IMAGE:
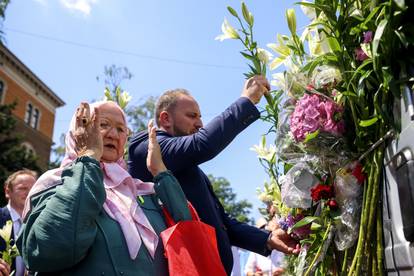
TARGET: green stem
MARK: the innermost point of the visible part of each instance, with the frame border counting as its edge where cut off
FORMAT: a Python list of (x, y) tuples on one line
[(325, 236), (361, 235), (379, 244), (345, 262), (269, 99), (372, 208)]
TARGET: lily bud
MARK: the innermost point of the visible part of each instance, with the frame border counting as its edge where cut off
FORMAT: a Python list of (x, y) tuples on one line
[(291, 20)]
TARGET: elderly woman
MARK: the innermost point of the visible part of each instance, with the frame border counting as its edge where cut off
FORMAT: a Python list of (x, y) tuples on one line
[(90, 217)]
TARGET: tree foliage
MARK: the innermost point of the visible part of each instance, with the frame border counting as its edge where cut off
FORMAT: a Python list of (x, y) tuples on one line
[(14, 156), (139, 115), (239, 210), (114, 75), (3, 6), (58, 152)]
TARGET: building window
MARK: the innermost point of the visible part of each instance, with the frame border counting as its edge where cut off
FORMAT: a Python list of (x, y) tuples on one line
[(1, 91), (29, 112), (35, 119), (32, 117)]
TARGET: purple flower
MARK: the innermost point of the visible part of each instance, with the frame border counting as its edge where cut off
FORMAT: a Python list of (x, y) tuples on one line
[(298, 233), (283, 224), (368, 37), (360, 54)]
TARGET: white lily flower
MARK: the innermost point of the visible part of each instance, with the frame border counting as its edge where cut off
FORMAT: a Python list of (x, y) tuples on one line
[(318, 44), (278, 81), (276, 62), (228, 32), (264, 55), (264, 197), (5, 232), (125, 98), (281, 49), (263, 152), (308, 11)]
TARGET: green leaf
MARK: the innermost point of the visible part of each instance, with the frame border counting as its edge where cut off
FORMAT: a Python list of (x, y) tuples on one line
[(349, 94), (359, 70), (367, 123), (400, 4), (402, 38), (303, 222), (311, 136), (257, 65), (377, 37), (254, 71), (232, 11), (249, 57), (334, 44)]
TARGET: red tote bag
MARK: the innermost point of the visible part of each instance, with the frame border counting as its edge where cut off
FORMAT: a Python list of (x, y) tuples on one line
[(191, 247)]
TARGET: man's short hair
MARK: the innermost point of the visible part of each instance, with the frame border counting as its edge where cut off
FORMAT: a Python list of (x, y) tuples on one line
[(167, 102), (10, 180)]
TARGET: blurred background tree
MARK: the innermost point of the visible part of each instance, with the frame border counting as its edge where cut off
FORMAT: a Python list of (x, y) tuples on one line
[(238, 209), (14, 156)]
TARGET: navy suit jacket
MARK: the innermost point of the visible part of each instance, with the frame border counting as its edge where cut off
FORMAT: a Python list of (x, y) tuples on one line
[(4, 217), (182, 155)]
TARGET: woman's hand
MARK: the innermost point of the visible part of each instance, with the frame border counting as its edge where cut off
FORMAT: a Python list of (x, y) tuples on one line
[(154, 159), (87, 136)]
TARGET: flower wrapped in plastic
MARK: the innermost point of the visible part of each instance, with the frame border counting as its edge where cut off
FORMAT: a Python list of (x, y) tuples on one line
[(325, 78), (317, 124), (296, 186), (348, 191), (287, 149)]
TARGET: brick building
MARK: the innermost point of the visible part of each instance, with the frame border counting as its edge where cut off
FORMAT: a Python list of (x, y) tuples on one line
[(36, 104)]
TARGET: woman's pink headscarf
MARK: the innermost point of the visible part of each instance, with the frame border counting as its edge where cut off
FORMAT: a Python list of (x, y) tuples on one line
[(121, 193)]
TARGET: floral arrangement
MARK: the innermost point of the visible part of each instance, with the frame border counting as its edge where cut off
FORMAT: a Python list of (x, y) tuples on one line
[(331, 112), (11, 251)]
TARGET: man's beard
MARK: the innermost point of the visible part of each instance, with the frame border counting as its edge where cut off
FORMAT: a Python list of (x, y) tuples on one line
[(178, 132)]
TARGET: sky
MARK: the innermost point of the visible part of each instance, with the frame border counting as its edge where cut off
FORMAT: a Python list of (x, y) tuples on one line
[(164, 44)]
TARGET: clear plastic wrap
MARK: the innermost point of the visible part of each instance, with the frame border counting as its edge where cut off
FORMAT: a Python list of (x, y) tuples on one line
[(349, 198), (296, 185)]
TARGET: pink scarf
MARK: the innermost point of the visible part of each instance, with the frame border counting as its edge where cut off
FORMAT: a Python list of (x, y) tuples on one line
[(121, 195)]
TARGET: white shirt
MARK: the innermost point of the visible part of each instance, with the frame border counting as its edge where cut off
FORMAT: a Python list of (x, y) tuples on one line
[(236, 271), (266, 265), (17, 223)]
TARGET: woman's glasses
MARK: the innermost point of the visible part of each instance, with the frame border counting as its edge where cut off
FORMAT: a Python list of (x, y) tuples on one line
[(107, 126)]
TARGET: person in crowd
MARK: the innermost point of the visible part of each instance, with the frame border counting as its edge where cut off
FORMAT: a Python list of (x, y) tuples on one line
[(16, 189), (90, 217), (258, 265), (185, 144)]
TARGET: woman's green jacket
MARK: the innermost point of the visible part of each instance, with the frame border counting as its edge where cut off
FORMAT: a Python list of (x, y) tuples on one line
[(67, 231)]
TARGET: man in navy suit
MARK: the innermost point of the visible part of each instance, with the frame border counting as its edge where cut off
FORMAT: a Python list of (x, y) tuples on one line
[(185, 144), (16, 189)]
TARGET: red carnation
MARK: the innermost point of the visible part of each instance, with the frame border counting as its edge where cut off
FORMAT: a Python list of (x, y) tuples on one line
[(310, 87), (321, 191), (333, 205), (358, 174)]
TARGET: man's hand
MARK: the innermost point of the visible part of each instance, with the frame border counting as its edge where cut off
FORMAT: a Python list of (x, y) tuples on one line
[(154, 159), (278, 271), (254, 88), (4, 268), (282, 242)]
